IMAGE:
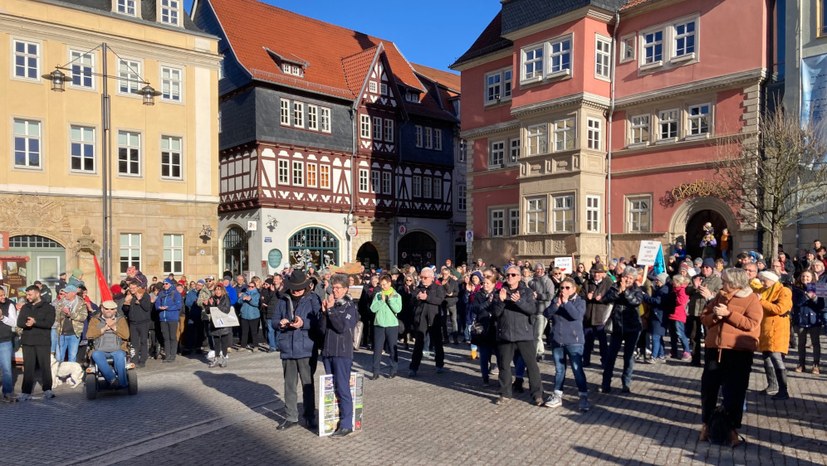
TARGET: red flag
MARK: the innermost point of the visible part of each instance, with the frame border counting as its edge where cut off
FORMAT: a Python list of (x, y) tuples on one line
[(105, 292)]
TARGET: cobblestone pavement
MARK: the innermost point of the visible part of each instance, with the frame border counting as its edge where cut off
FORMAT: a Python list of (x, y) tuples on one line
[(188, 414)]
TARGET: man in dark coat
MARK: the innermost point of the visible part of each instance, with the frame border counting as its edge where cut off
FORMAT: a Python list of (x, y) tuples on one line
[(626, 297), (36, 318), (427, 298), (338, 320), (597, 313), (515, 312)]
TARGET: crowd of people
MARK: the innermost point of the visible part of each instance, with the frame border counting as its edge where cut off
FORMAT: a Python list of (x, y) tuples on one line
[(713, 316)]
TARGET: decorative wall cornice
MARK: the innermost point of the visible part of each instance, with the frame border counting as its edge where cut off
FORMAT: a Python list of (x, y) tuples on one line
[(705, 85), (584, 99)]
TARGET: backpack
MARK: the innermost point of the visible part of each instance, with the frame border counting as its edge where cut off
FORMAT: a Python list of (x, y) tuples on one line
[(719, 426)]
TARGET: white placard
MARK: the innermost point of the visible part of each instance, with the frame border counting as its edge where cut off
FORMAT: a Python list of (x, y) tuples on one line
[(565, 264), (223, 319), (821, 290), (648, 252)]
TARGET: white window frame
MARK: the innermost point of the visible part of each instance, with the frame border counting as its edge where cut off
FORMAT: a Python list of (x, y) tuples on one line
[(429, 137), (677, 37), (83, 68), (699, 120), (389, 135), (383, 89), (554, 68), (324, 176), (496, 154), (173, 254), (416, 186), (536, 214), (427, 187), (565, 134), (375, 181), (129, 148), (324, 120), (31, 67), (387, 182), (364, 126), (534, 56), (373, 87), (132, 248), (312, 177), (593, 214), (170, 12), (84, 140), (652, 60), (673, 120), (514, 148), (513, 221), (437, 139), (536, 140), (627, 48), (171, 85), (462, 197), (437, 191), (419, 136), (498, 86), (127, 7), (168, 146), (298, 173), (129, 76), (29, 137), (364, 180), (285, 117), (640, 129), (377, 128), (284, 172), (636, 214), (602, 57), (312, 117), (298, 114), (496, 223), (562, 208), (594, 134)]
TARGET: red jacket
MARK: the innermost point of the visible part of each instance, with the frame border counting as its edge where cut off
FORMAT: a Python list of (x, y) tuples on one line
[(681, 300)]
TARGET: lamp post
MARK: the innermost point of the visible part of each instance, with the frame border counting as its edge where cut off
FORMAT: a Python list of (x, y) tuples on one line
[(148, 93)]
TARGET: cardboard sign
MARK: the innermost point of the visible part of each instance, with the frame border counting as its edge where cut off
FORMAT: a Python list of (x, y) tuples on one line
[(565, 264), (329, 406), (821, 290), (223, 319), (648, 252)]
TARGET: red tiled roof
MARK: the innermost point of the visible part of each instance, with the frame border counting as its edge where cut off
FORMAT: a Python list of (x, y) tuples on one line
[(334, 55), (446, 79)]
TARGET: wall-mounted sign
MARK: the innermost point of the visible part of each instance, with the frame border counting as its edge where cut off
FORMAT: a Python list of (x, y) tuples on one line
[(274, 258), (403, 229), (252, 225), (352, 231)]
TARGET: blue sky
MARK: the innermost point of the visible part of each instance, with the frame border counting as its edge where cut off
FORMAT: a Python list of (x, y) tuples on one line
[(430, 32)]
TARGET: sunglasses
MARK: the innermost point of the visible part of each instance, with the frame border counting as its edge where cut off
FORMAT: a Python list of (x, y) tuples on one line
[(566, 287), (513, 274)]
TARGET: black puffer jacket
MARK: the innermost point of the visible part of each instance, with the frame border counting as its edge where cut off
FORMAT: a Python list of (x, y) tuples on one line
[(39, 334), (625, 315), (482, 311), (515, 319)]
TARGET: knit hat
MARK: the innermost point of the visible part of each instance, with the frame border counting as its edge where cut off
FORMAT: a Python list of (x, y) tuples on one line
[(769, 276), (70, 289), (202, 282), (170, 281), (709, 262), (116, 289), (661, 277)]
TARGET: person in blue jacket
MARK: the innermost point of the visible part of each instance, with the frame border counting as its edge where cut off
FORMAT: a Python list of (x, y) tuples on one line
[(566, 313), (250, 316), (297, 317), (338, 319), (169, 305)]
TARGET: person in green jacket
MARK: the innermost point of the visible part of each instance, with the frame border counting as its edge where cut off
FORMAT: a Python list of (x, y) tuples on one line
[(386, 304)]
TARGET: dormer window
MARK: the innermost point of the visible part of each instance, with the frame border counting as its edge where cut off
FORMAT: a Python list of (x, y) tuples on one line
[(295, 70), (170, 12), (127, 7), (412, 96)]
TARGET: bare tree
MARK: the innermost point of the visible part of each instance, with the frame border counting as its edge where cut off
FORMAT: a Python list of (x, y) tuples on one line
[(774, 177)]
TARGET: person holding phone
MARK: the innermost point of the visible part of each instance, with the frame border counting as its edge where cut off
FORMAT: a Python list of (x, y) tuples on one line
[(337, 321), (566, 313)]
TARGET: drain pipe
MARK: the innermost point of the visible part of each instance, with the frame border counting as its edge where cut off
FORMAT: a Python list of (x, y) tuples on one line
[(609, 139), (353, 179)]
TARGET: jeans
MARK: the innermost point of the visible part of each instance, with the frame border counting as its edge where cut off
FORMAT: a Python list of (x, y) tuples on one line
[(67, 343), (339, 368), (731, 376), (575, 354), (169, 330), (506, 350), (814, 333), (776, 372), (540, 323), (592, 332), (485, 360), (384, 337), (694, 328), (293, 370), (519, 365), (54, 340), (272, 341), (677, 332), (657, 347), (118, 359), (6, 353), (628, 340)]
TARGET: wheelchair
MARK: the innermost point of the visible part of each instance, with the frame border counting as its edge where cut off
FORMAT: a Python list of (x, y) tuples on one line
[(96, 383)]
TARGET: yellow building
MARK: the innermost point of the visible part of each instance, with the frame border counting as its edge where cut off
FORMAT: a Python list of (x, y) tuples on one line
[(162, 157)]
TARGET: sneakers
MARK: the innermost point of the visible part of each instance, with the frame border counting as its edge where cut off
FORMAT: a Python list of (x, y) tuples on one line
[(47, 395), (780, 396), (584, 403), (554, 400), (815, 370), (440, 370), (223, 362), (24, 397), (9, 398), (799, 368), (687, 356), (411, 373), (501, 401)]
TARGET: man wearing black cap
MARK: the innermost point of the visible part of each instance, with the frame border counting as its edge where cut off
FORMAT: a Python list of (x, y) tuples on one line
[(36, 319), (701, 290)]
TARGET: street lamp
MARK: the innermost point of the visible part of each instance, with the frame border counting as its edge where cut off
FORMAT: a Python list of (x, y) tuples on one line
[(148, 94)]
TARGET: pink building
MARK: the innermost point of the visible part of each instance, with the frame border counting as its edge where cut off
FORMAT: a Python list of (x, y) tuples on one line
[(594, 125)]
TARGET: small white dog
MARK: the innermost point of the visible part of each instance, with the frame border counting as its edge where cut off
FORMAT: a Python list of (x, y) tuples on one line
[(70, 373)]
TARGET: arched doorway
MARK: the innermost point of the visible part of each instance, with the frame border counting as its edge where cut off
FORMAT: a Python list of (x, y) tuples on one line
[(417, 249), (368, 256), (695, 231), (30, 258), (315, 246), (236, 259)]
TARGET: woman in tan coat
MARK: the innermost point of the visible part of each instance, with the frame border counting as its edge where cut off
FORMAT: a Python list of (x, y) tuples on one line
[(777, 302), (733, 322)]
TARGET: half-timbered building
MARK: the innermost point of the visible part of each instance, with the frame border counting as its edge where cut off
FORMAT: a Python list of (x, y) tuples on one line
[(334, 148)]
